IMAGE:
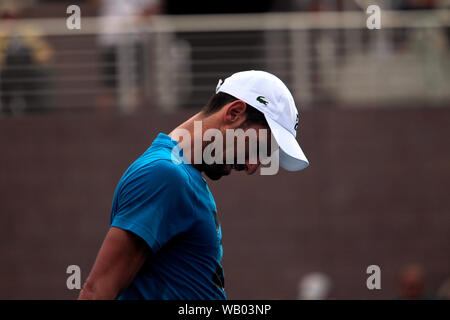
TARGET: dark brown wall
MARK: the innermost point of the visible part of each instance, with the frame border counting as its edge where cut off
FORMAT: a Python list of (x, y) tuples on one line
[(376, 193)]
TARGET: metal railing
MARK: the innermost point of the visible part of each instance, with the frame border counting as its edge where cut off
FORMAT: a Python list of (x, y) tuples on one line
[(176, 61)]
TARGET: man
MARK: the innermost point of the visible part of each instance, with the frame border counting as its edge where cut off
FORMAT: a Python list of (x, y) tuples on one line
[(165, 238)]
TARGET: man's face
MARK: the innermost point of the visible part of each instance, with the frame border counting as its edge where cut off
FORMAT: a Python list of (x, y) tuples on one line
[(241, 148)]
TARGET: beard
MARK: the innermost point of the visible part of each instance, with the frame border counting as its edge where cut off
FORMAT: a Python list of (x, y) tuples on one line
[(216, 171)]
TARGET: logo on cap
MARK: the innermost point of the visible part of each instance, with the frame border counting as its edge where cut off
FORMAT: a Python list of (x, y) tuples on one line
[(219, 84), (296, 123), (262, 100)]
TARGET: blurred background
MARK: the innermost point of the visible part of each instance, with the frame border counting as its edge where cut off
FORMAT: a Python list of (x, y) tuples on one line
[(78, 106)]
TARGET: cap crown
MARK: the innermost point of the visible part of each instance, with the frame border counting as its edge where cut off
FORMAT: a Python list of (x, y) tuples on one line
[(266, 93)]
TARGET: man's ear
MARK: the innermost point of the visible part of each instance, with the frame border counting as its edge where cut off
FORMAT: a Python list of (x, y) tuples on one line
[(234, 112)]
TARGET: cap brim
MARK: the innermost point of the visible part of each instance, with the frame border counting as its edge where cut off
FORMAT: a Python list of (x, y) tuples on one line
[(292, 157)]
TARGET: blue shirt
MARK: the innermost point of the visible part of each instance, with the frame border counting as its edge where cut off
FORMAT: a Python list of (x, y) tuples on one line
[(168, 204)]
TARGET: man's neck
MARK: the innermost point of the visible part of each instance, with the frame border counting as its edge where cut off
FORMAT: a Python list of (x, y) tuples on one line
[(188, 126)]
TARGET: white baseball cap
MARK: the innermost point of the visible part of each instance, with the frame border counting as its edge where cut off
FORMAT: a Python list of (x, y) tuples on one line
[(268, 94)]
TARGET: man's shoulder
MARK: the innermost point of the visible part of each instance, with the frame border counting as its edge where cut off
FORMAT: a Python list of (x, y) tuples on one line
[(159, 169)]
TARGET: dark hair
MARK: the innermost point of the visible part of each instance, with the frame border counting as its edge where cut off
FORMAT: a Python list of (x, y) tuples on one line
[(218, 100)]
